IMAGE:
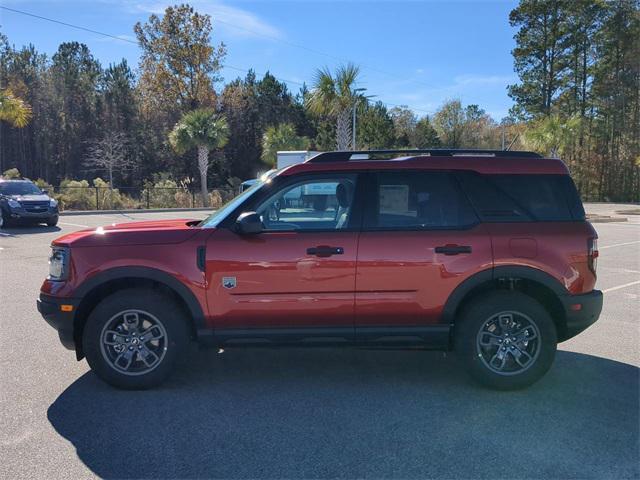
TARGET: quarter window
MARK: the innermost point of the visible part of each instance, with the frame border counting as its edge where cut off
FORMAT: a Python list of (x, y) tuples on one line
[(419, 200)]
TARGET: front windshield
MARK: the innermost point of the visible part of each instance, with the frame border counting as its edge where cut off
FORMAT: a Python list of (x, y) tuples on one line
[(19, 188), (216, 217)]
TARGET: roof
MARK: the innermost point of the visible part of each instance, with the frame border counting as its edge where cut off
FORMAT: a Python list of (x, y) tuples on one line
[(481, 161)]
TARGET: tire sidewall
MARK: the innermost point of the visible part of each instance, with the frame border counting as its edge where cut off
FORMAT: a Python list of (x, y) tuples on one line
[(472, 320), (166, 311)]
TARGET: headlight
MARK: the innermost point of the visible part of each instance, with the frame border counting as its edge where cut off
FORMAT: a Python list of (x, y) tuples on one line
[(14, 203), (59, 263), (53, 203)]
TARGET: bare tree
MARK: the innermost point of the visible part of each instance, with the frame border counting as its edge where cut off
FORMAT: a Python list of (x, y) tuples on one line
[(110, 154)]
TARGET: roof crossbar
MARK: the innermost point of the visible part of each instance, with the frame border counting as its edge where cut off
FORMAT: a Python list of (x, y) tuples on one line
[(345, 156)]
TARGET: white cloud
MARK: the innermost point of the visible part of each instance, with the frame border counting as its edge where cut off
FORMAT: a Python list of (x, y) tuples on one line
[(233, 21), (489, 91)]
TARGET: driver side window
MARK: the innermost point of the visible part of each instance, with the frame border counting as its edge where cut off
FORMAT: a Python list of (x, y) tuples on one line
[(312, 204)]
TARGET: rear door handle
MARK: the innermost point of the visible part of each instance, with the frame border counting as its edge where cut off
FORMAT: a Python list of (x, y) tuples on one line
[(453, 249), (324, 251)]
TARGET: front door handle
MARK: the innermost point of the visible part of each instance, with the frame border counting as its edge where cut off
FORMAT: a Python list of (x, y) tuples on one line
[(453, 249), (324, 251)]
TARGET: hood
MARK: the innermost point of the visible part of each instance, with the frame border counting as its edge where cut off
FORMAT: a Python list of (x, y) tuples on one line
[(132, 233), (29, 198)]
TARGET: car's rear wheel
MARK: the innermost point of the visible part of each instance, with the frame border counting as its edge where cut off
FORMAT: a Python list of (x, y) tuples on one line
[(133, 338), (506, 340)]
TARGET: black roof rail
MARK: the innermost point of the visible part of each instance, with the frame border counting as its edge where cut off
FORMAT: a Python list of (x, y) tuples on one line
[(345, 156)]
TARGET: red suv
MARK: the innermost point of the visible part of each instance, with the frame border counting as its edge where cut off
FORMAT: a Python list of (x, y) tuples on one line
[(484, 252)]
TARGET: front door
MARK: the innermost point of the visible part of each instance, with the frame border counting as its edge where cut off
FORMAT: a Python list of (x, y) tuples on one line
[(419, 241), (299, 273)]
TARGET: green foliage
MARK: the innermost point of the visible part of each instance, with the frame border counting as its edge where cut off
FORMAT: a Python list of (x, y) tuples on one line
[(179, 64), (425, 135), (11, 173), (375, 128), (577, 96), (335, 96), (281, 137), (201, 127), (76, 195), (579, 84), (404, 124), (449, 122), (13, 109)]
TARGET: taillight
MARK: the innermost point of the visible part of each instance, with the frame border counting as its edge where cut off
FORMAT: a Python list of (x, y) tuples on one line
[(592, 254)]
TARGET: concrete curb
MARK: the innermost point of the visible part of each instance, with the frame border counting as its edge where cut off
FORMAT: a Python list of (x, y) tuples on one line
[(603, 219), (71, 213)]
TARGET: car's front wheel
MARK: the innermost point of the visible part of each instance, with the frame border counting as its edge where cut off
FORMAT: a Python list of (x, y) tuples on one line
[(506, 340), (4, 219), (133, 338)]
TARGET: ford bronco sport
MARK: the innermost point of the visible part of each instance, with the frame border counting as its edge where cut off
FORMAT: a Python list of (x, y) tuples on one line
[(484, 252)]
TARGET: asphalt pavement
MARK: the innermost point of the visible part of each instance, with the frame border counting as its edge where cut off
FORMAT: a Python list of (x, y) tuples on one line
[(317, 413)]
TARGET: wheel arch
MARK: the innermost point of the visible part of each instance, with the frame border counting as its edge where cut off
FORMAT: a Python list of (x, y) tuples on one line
[(531, 281), (120, 278)]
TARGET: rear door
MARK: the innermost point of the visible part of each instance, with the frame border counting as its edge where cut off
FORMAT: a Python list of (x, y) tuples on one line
[(420, 240)]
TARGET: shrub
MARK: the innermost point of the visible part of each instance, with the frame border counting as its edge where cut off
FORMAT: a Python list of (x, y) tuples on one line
[(76, 195), (11, 173)]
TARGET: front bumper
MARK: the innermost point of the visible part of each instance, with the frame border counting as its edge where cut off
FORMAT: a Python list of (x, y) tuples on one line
[(581, 311), (50, 309), (33, 216)]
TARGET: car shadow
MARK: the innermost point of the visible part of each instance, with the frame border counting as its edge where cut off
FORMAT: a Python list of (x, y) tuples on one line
[(17, 230), (355, 413)]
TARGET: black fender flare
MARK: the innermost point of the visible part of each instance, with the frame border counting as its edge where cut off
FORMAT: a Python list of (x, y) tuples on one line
[(484, 276), (147, 273)]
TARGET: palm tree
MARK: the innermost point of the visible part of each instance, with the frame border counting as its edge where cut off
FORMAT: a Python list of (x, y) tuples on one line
[(281, 137), (13, 109), (205, 130), (336, 96)]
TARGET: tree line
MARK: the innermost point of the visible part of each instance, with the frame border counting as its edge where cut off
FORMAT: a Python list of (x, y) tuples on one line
[(69, 117)]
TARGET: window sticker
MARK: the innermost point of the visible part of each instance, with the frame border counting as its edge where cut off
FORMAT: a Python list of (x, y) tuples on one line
[(394, 198)]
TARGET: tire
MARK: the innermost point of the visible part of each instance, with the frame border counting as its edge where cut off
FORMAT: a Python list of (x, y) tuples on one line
[(485, 334), (116, 327), (4, 220), (52, 222)]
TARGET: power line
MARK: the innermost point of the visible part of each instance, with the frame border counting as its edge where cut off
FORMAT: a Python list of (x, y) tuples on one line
[(317, 52), (232, 67)]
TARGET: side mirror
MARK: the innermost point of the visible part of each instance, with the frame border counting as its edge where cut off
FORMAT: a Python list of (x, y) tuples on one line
[(249, 223)]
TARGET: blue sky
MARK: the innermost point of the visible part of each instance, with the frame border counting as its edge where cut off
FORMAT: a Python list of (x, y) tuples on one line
[(415, 53)]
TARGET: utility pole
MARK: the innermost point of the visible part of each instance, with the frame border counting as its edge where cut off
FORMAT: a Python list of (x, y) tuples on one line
[(353, 127)]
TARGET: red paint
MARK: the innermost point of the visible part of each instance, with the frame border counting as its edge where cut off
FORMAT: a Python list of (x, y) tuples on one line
[(381, 278), (278, 283), (402, 281)]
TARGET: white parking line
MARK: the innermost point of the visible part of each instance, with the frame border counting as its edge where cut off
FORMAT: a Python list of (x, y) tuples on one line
[(74, 224), (612, 289), (618, 245)]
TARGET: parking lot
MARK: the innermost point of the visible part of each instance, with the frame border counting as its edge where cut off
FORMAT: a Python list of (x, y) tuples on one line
[(317, 413)]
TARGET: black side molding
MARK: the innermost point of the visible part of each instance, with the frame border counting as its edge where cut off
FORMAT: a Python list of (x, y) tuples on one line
[(201, 258)]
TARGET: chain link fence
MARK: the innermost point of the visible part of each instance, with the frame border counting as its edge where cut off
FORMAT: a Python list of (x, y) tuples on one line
[(129, 198)]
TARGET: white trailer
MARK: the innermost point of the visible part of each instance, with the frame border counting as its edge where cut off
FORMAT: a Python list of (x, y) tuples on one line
[(286, 158)]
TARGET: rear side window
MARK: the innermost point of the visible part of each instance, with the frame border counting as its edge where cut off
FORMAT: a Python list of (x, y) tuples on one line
[(520, 198), (418, 200)]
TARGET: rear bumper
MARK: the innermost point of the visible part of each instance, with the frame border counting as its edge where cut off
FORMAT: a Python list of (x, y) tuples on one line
[(49, 308), (581, 311)]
